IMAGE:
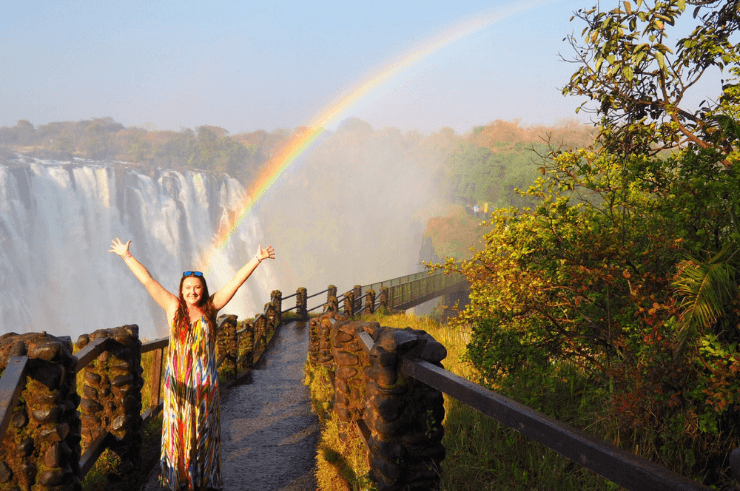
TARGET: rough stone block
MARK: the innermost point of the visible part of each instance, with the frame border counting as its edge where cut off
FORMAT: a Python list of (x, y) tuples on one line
[(345, 358)]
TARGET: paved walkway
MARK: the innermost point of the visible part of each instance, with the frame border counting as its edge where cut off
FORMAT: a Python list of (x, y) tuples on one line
[(268, 433)]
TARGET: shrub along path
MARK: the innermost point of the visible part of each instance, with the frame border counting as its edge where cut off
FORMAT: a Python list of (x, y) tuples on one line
[(268, 433)]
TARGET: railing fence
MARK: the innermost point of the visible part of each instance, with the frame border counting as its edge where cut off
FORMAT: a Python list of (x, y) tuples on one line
[(110, 404)]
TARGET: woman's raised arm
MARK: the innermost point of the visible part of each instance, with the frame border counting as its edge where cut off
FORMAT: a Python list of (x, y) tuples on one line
[(164, 299), (225, 294)]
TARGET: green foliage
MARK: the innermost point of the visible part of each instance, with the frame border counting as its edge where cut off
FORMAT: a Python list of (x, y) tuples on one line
[(621, 262), (706, 288), (638, 83), (595, 275), (476, 175)]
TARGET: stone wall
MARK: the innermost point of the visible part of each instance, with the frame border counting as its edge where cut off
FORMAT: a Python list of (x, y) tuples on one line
[(41, 448), (320, 339), (111, 394), (350, 361), (400, 417)]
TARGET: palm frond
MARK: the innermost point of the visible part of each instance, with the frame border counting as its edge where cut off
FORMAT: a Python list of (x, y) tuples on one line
[(706, 288)]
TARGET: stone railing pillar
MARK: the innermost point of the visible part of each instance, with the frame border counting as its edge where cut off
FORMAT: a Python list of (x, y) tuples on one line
[(370, 302), (404, 416), (332, 304), (357, 290), (226, 342), (111, 395), (260, 332), (383, 301), (300, 302), (276, 298), (272, 317), (314, 341), (351, 362), (41, 447), (322, 327), (246, 346), (349, 303)]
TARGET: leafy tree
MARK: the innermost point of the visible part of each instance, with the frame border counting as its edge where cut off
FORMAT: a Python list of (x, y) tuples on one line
[(137, 147), (639, 83), (625, 264)]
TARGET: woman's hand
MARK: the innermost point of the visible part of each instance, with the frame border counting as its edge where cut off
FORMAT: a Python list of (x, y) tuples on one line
[(268, 253), (119, 247)]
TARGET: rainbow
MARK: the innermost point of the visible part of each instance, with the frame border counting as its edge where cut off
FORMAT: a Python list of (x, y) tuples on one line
[(301, 142)]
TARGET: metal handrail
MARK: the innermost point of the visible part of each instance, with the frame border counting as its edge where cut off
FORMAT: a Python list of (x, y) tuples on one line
[(614, 463), (360, 298), (314, 308), (316, 294)]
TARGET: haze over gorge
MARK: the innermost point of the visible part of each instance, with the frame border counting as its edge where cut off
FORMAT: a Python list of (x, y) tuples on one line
[(352, 210)]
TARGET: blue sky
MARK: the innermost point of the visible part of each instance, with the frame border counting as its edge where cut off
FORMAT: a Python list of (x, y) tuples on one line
[(265, 65)]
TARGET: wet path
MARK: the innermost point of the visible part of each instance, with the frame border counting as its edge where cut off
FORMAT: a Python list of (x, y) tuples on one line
[(268, 433)]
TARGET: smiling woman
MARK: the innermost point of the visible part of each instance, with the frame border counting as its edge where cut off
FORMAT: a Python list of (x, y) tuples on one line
[(191, 440)]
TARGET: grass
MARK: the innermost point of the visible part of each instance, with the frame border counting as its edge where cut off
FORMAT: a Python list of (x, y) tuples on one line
[(483, 454), (341, 460)]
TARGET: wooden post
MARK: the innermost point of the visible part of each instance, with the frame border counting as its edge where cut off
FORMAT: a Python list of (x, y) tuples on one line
[(156, 377)]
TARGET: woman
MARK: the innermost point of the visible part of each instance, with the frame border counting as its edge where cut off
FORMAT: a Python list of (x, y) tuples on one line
[(191, 443)]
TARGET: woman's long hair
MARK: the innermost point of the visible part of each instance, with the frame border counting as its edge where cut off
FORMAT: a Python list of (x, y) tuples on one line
[(182, 316)]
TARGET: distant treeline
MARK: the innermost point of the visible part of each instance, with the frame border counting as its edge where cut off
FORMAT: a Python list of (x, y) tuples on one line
[(482, 166), (495, 160), (209, 148)]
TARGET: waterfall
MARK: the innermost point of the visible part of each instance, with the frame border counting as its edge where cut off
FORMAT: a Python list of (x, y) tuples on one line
[(57, 220)]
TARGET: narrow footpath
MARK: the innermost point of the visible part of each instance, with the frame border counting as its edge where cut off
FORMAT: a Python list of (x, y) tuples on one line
[(268, 433)]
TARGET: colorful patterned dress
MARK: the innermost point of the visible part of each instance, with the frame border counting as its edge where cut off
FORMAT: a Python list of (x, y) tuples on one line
[(191, 440)]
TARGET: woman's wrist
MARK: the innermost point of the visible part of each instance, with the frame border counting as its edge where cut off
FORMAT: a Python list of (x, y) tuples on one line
[(257, 258), (127, 255)]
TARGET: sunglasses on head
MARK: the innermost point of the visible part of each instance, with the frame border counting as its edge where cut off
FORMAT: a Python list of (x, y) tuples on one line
[(193, 273)]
